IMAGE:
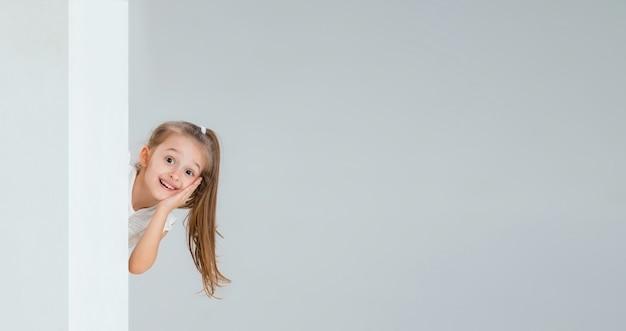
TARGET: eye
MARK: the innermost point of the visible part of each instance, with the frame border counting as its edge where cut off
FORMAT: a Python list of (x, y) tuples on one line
[(189, 172), (169, 160)]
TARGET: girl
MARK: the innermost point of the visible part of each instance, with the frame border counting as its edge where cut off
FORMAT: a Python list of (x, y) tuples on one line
[(179, 168)]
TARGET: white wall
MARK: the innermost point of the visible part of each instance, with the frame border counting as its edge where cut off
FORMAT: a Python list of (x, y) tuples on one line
[(394, 165), (63, 98)]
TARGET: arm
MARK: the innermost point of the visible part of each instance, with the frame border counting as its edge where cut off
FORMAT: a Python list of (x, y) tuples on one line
[(145, 252)]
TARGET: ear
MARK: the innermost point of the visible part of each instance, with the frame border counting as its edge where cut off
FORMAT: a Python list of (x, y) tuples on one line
[(144, 156)]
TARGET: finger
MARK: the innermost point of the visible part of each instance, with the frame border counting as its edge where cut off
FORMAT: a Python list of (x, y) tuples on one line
[(189, 190), (193, 185)]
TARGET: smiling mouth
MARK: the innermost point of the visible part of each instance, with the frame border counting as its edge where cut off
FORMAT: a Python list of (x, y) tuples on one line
[(166, 185)]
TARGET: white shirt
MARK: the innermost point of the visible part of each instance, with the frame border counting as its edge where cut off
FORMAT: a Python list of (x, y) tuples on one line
[(138, 220)]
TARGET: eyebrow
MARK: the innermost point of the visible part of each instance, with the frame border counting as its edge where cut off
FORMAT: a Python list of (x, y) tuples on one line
[(177, 151)]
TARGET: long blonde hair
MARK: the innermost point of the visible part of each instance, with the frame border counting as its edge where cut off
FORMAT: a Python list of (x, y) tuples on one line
[(201, 223)]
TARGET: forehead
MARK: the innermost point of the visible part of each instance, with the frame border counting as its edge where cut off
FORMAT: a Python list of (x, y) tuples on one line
[(184, 148)]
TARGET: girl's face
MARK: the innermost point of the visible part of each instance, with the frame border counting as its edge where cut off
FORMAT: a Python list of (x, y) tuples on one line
[(172, 165)]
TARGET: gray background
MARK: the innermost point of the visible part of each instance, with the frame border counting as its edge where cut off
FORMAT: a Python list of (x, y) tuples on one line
[(394, 165), (34, 165)]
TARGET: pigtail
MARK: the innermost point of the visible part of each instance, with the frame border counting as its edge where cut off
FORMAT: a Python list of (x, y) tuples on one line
[(202, 226)]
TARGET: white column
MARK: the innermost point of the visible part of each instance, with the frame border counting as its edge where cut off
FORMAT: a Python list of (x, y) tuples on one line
[(98, 161)]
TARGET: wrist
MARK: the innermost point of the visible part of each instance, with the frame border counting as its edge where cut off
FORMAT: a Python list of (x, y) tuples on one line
[(164, 208)]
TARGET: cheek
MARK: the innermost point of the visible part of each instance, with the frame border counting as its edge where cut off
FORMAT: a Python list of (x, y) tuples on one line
[(188, 181), (149, 172)]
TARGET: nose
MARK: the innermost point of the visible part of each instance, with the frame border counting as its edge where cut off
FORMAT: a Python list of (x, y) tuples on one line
[(174, 175)]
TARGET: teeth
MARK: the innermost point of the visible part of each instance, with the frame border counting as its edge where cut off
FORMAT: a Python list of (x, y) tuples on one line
[(165, 184)]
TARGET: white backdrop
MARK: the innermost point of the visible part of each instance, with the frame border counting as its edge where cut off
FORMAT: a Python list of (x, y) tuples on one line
[(394, 165)]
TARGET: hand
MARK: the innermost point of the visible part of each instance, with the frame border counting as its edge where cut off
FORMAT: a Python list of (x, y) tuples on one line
[(180, 198)]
